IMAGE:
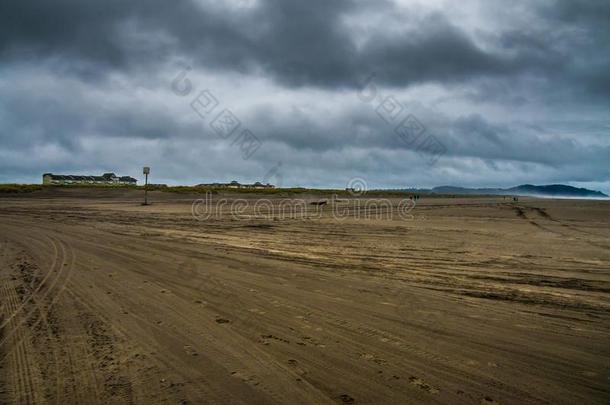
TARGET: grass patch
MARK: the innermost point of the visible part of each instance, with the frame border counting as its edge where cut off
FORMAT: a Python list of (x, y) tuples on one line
[(292, 191), (264, 191)]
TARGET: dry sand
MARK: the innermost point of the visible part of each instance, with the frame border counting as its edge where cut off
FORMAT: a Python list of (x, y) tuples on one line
[(475, 300)]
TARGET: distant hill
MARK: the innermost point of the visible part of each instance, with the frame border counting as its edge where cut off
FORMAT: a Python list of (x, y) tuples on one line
[(553, 190)]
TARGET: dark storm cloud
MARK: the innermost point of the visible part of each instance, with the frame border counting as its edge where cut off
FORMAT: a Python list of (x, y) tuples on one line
[(470, 136), (473, 136), (78, 78), (593, 18), (573, 37), (298, 43), (584, 11), (296, 40)]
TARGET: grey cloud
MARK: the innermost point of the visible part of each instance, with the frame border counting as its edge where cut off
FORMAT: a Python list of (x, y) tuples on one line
[(59, 62), (473, 136), (298, 43)]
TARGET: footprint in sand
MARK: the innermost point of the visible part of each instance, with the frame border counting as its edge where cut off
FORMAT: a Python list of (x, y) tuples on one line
[(419, 383), (346, 399), (373, 358), (190, 350)]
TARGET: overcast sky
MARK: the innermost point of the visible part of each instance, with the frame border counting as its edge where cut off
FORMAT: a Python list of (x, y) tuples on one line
[(505, 92)]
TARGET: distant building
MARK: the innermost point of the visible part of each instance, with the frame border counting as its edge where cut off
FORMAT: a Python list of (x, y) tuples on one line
[(105, 179), (236, 184)]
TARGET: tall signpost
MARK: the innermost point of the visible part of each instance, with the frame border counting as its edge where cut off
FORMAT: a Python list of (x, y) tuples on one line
[(146, 172)]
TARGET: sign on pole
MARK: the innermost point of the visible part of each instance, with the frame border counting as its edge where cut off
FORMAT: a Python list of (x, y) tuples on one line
[(146, 171)]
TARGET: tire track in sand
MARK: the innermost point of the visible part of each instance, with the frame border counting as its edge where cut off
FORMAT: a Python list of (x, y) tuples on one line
[(19, 320), (21, 374), (65, 262)]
